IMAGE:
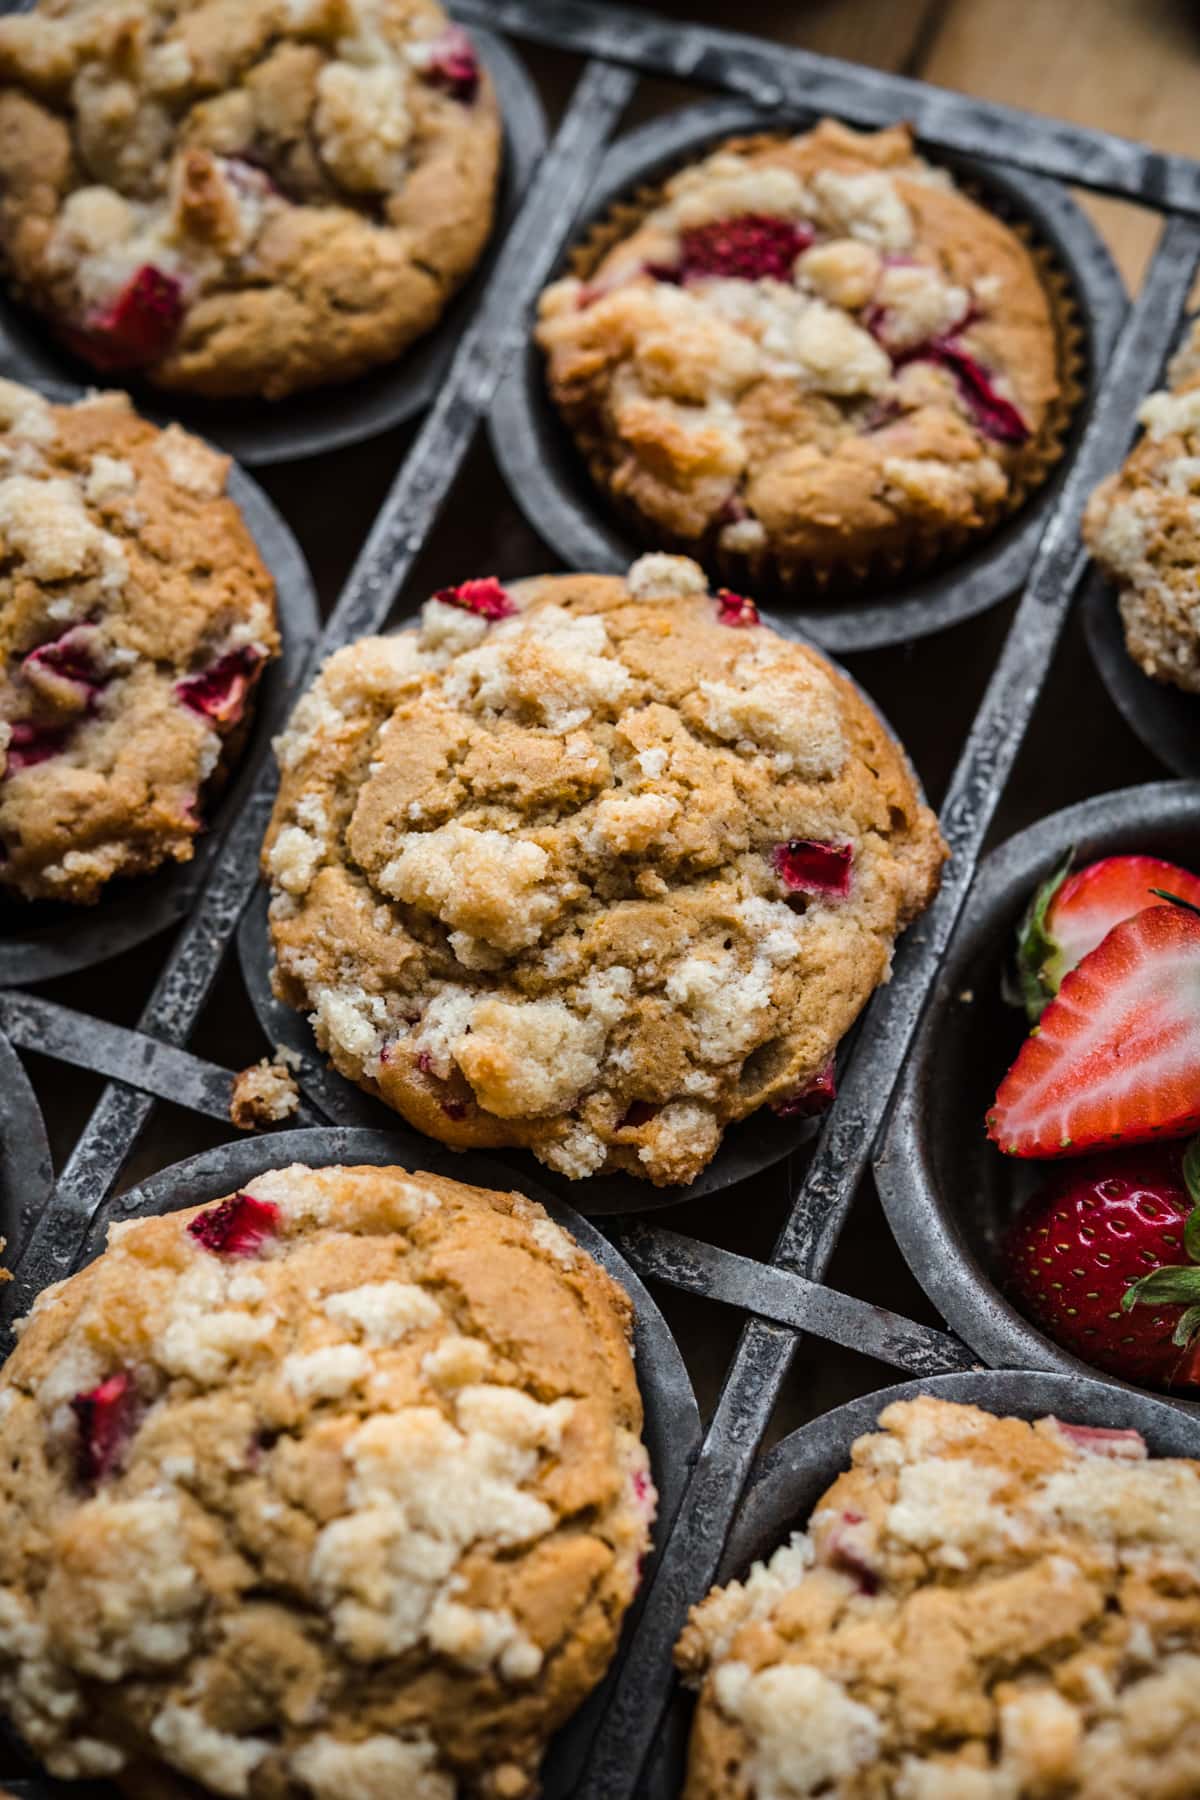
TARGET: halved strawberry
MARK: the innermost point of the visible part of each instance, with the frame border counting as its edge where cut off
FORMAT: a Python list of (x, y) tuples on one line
[(1070, 914), (1116, 1057), (1094, 1259)]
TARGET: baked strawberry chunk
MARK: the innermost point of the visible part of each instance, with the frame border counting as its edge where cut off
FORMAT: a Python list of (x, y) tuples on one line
[(107, 1418), (67, 659), (486, 598), (748, 247), (1123, 1445), (453, 65), (239, 1226), (219, 692), (139, 327), (735, 609), (816, 1096), (31, 744), (808, 866)]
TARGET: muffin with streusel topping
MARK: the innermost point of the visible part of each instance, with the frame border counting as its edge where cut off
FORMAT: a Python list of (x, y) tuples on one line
[(242, 197), (1141, 526), (981, 1609), (811, 357), (136, 618), (334, 1488), (590, 865)]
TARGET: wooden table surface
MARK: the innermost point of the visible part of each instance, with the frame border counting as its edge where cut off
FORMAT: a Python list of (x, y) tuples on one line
[(1134, 70)]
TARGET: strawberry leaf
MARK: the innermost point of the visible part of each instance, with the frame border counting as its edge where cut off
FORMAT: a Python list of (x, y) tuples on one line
[(1177, 1286), (1188, 1328), (1034, 945)]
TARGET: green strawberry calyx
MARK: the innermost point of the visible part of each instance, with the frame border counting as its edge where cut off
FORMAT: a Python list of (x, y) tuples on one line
[(1177, 1284), (1036, 949)]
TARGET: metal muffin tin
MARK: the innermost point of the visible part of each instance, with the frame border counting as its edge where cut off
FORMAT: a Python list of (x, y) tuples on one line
[(785, 1294), (947, 1191), (671, 1430), (26, 1174), (551, 483), (261, 432), (748, 1148), (40, 939), (794, 1476), (1165, 718)]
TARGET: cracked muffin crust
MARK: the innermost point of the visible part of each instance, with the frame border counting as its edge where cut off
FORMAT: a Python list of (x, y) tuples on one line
[(1142, 525), (135, 620), (982, 1609), (242, 197), (590, 865), (814, 355), (333, 1489)]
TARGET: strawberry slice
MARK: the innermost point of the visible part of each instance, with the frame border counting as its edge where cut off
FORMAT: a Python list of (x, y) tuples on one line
[(239, 1226), (107, 1418), (139, 327), (1070, 914), (1116, 1056)]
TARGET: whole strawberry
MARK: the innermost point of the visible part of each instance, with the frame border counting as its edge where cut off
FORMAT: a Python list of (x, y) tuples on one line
[(1099, 1259)]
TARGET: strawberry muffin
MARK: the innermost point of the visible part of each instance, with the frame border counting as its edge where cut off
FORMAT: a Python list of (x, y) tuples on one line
[(592, 865), (135, 620), (811, 356), (333, 1489), (982, 1609), (242, 197), (1141, 526)]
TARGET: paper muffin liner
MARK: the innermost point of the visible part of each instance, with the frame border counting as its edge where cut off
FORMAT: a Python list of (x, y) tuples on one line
[(843, 578)]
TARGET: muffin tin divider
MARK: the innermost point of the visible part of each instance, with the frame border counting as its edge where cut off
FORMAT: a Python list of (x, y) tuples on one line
[(773, 74), (122, 1055), (765, 1350), (409, 512), (790, 1299)]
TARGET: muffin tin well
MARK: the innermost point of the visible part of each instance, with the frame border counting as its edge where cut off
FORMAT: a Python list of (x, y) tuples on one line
[(259, 432), (1165, 718), (39, 938), (672, 1422), (792, 1478), (748, 1149), (26, 1174), (948, 1192), (1005, 146), (548, 478)]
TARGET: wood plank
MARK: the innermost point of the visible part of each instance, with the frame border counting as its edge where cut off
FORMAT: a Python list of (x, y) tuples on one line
[(884, 34), (1132, 66)]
